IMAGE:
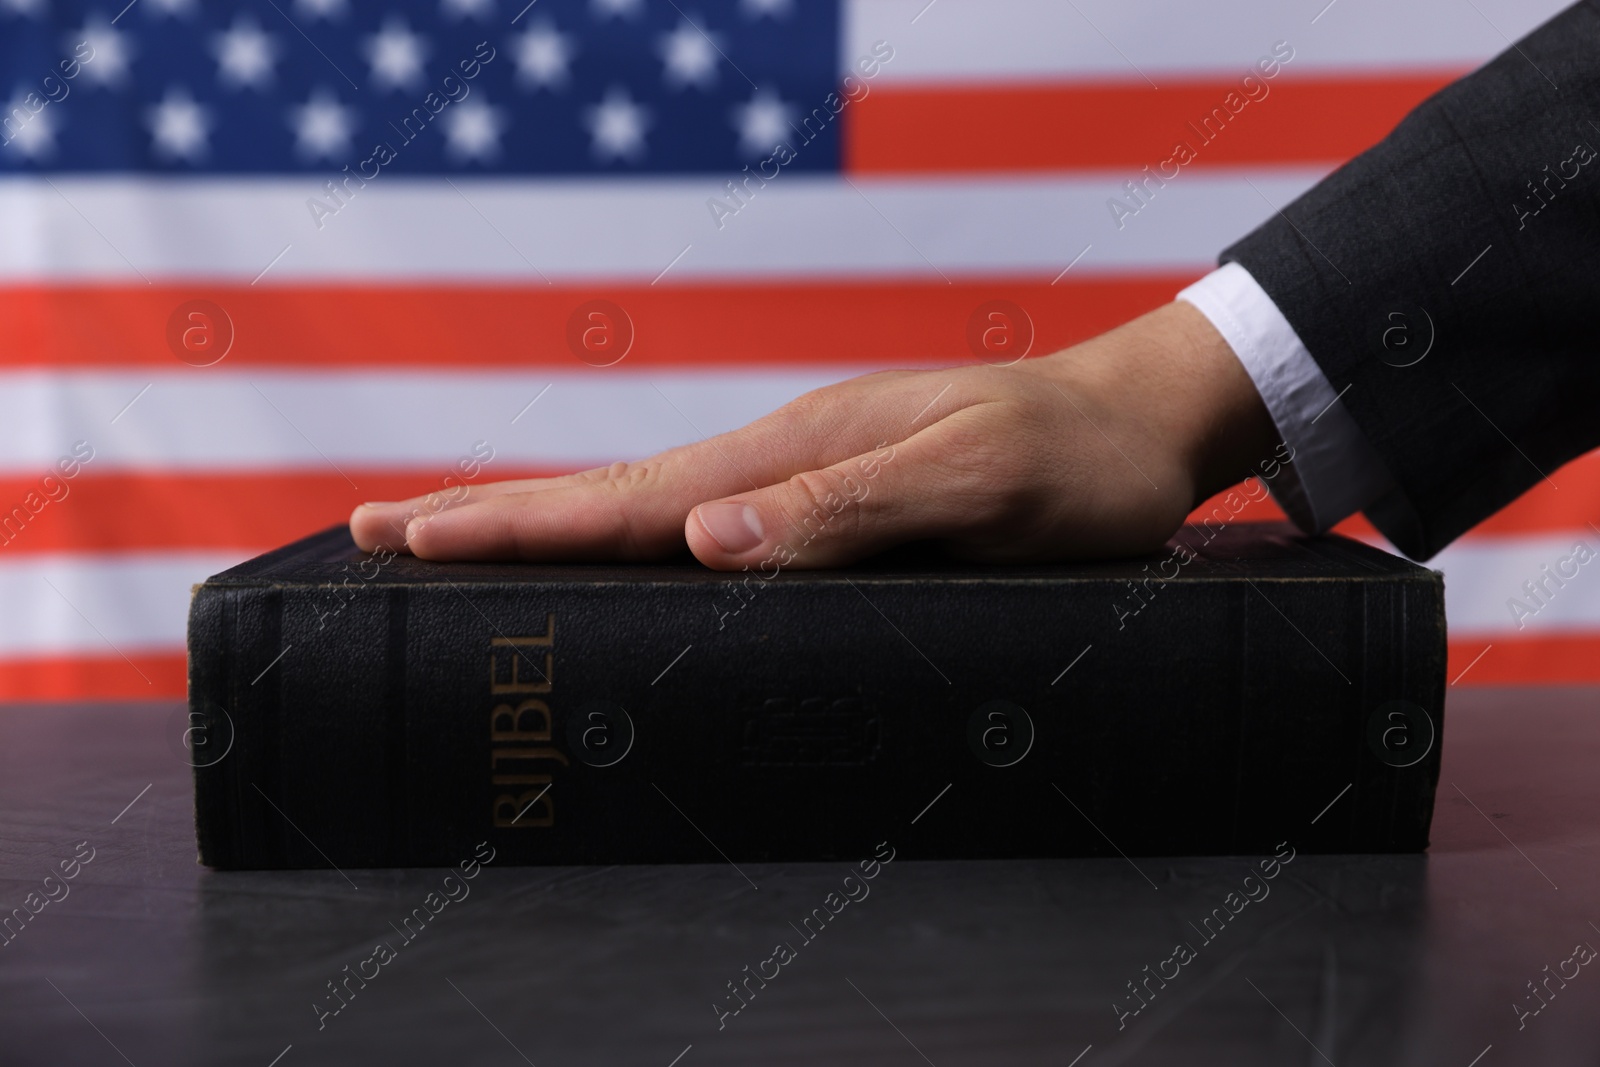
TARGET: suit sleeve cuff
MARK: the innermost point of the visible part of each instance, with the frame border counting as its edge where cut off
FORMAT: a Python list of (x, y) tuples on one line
[(1335, 471)]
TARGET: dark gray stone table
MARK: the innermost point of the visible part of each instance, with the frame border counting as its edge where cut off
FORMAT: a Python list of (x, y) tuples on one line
[(147, 959)]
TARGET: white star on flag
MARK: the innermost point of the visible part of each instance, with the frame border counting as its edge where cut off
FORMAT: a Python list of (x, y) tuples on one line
[(244, 54), (112, 51), (322, 127), (542, 55), (396, 54), (776, 9), (621, 9), (320, 9), (170, 8), (23, 8), (468, 9), (179, 126), (618, 126), (762, 123), (35, 138), (472, 132), (690, 55)]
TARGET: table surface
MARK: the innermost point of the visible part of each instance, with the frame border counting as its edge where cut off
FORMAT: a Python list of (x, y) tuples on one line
[(150, 959)]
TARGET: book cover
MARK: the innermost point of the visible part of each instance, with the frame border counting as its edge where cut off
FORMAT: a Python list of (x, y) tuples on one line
[(1237, 690)]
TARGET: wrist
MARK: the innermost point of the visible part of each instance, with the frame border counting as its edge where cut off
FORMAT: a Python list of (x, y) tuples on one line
[(1185, 389)]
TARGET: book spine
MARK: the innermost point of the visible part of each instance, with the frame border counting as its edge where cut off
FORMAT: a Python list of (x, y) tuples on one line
[(208, 669), (807, 718)]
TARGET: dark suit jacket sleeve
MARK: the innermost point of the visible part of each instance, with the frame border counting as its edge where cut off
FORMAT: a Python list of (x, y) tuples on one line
[(1476, 225)]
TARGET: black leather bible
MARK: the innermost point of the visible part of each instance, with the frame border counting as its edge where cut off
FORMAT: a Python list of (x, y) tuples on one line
[(1240, 689)]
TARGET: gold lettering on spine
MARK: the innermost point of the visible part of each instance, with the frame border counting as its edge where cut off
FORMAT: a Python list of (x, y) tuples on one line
[(507, 723), (521, 734), (517, 660)]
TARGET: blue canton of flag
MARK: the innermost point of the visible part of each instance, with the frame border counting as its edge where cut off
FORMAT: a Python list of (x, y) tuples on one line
[(446, 86)]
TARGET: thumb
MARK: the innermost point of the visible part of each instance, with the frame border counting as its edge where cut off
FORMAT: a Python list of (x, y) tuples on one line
[(826, 517)]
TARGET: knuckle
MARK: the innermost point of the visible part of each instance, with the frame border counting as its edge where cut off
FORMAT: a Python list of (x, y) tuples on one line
[(800, 417), (821, 504), (621, 475)]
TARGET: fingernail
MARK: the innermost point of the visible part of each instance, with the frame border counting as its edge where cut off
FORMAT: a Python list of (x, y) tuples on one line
[(735, 527), (377, 503)]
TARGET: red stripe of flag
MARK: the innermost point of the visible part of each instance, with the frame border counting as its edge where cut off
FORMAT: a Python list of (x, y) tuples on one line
[(1302, 119), (730, 325), (139, 676), (247, 512)]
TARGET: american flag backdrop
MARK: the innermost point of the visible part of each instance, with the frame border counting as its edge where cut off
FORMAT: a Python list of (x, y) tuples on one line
[(262, 261)]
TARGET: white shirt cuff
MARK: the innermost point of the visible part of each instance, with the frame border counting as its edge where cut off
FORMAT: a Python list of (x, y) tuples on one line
[(1335, 471)]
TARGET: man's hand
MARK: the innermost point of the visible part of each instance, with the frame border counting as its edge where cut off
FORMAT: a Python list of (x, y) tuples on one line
[(1098, 450)]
